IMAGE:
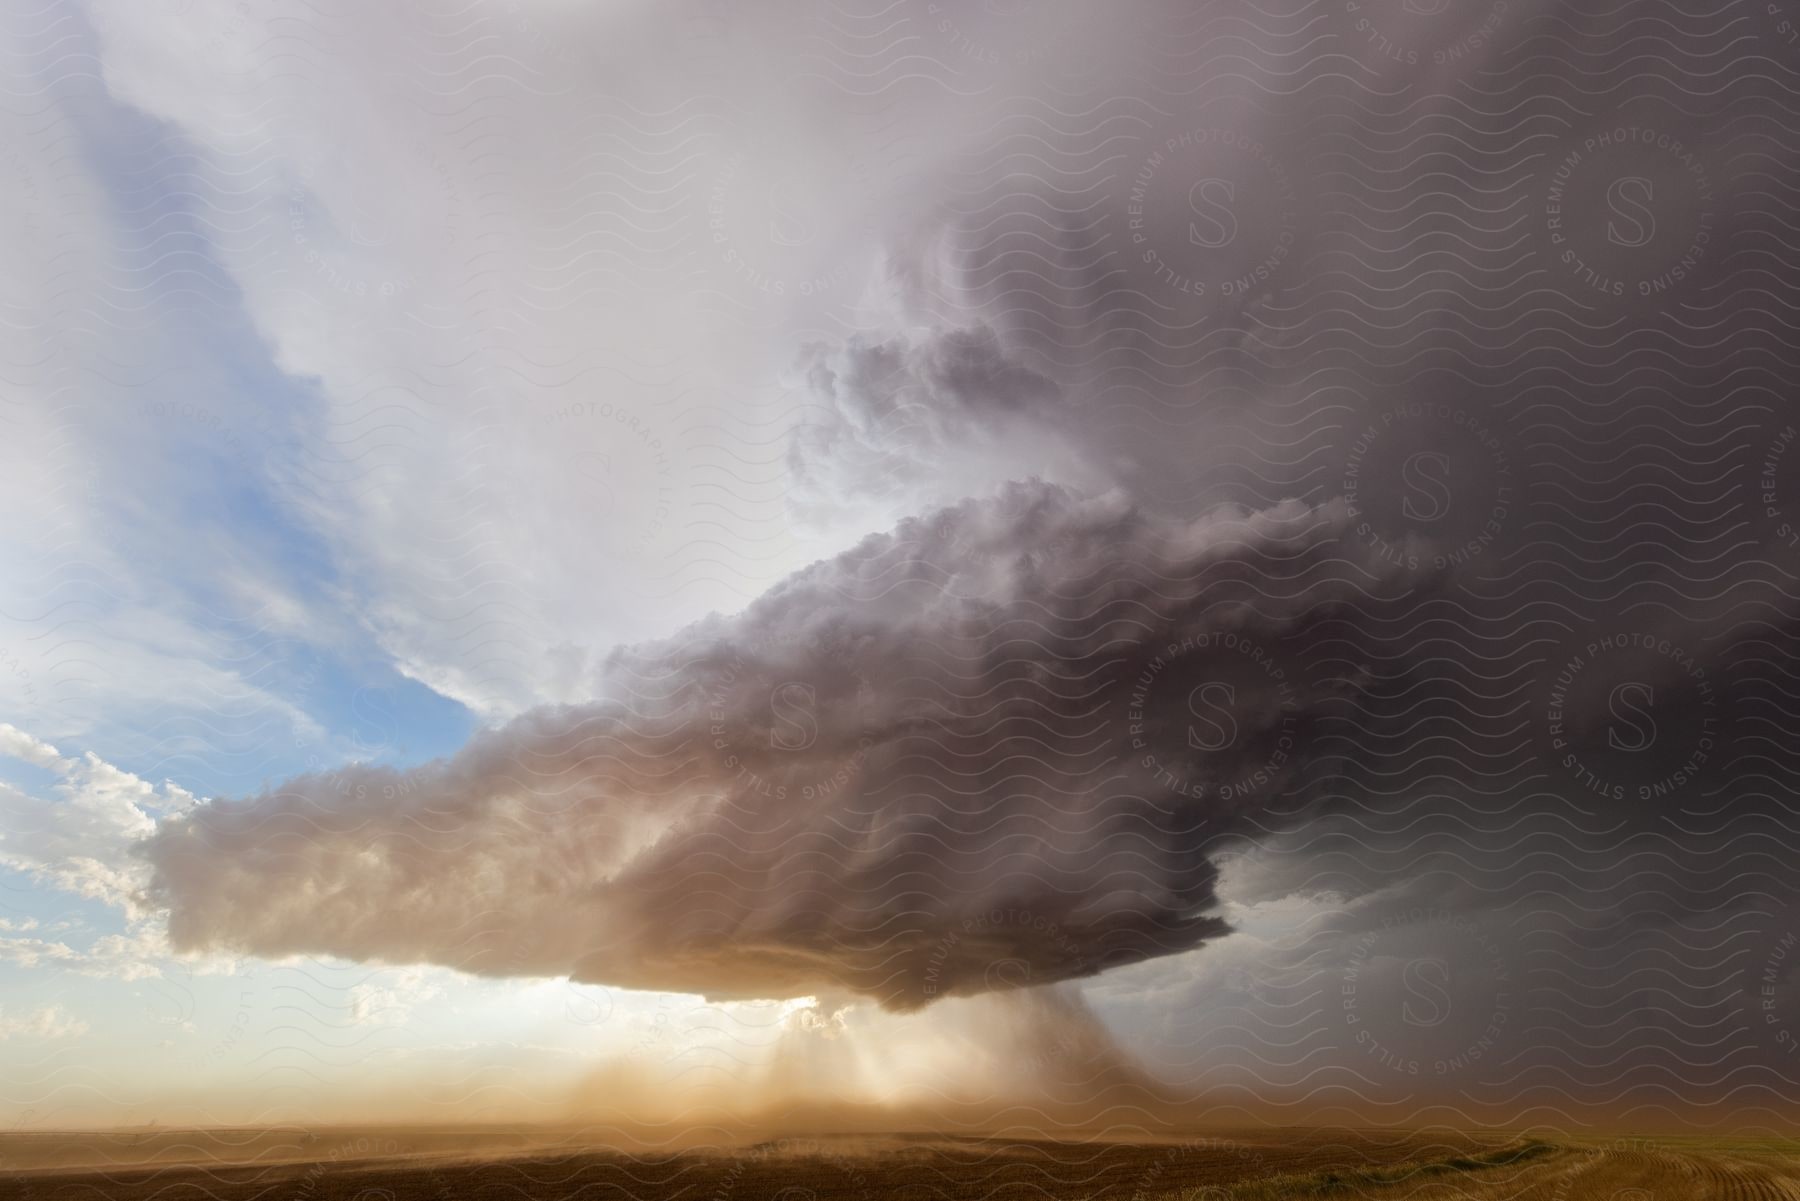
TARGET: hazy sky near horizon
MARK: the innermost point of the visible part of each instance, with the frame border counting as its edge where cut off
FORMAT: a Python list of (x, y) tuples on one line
[(899, 552)]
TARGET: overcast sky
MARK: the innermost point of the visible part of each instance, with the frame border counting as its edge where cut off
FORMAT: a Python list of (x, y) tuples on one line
[(900, 552)]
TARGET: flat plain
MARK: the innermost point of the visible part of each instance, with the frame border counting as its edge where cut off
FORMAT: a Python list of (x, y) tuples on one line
[(412, 1164)]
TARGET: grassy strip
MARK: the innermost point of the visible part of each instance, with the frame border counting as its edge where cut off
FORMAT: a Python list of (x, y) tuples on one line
[(1342, 1180)]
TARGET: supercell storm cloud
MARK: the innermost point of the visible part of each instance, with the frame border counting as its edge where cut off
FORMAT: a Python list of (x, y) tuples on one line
[(1277, 518), (1402, 519), (1035, 703)]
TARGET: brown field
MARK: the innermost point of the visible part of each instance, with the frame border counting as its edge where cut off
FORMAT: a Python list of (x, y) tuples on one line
[(1265, 1165)]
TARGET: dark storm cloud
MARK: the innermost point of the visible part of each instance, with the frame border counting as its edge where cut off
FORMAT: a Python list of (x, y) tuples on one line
[(945, 762), (1440, 351), (1498, 278)]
